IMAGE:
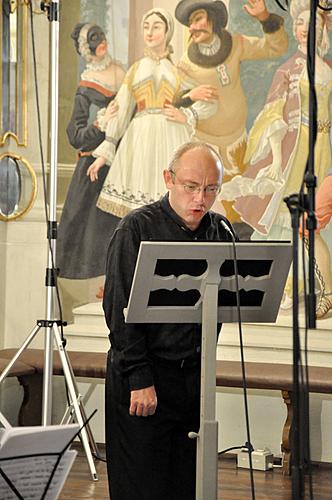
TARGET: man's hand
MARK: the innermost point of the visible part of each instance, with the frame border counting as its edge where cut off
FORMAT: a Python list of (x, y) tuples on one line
[(203, 93), (257, 9), (143, 402), (174, 114)]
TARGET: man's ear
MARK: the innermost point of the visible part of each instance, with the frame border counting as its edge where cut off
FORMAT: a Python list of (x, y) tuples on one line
[(168, 178)]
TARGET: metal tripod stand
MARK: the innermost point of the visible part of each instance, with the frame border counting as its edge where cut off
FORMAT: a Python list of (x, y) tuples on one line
[(75, 409)]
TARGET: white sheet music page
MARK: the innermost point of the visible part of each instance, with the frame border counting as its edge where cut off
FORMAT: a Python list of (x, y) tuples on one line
[(30, 473)]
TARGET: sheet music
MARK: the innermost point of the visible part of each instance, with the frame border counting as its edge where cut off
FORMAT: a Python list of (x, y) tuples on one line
[(30, 440), (28, 456), (30, 475)]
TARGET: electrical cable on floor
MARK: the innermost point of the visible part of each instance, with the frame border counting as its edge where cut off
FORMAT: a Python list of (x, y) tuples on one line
[(244, 446)]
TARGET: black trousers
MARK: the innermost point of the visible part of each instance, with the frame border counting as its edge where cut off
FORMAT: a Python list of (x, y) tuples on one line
[(152, 458)]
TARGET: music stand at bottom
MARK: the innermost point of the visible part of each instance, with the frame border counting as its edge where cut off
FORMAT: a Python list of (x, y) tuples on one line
[(263, 269)]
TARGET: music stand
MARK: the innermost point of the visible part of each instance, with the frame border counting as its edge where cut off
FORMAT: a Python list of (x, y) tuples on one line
[(208, 298), (35, 461)]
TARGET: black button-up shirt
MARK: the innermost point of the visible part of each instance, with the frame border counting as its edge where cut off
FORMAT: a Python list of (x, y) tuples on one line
[(133, 345)]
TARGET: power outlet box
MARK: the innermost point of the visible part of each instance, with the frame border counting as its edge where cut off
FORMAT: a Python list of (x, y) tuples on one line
[(261, 459)]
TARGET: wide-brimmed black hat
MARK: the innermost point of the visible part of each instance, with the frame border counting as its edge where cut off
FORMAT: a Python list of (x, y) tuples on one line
[(185, 8)]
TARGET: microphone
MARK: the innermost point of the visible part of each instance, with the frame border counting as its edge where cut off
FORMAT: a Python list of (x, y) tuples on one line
[(227, 228)]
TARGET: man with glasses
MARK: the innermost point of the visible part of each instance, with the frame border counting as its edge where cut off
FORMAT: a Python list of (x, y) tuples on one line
[(153, 371)]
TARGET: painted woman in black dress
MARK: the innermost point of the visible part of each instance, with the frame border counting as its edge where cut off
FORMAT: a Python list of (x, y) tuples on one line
[(85, 230)]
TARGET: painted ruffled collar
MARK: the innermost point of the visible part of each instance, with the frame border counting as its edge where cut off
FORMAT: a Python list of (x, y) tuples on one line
[(210, 49), (218, 57), (99, 65)]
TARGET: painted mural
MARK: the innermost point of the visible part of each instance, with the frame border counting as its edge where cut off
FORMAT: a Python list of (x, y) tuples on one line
[(239, 84)]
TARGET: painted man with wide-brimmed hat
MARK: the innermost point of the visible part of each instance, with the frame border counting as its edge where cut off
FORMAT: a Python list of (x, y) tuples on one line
[(213, 58)]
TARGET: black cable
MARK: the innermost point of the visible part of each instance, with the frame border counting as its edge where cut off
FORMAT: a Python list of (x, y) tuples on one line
[(244, 380), (282, 6), (311, 226), (245, 392), (99, 457), (305, 374), (247, 446), (323, 7), (285, 7)]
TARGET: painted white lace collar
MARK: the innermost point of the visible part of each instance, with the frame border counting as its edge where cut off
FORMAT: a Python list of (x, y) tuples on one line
[(210, 49), (99, 65)]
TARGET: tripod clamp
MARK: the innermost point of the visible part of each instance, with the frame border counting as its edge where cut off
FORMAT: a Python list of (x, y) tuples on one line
[(297, 203), (51, 8), (48, 323)]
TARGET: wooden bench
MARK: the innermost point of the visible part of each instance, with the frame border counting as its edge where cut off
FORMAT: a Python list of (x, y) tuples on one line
[(267, 376), (29, 371), (25, 374)]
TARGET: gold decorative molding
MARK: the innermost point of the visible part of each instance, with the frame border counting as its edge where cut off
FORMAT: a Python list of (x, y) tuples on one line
[(13, 109), (14, 4), (27, 204)]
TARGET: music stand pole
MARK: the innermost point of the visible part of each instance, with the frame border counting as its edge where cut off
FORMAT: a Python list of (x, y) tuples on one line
[(53, 16)]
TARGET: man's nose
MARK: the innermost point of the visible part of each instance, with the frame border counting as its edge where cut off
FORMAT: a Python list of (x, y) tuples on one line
[(199, 194)]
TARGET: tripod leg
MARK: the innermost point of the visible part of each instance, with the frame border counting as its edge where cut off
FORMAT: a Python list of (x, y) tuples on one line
[(74, 396), (4, 421), (11, 363), (19, 352), (88, 430), (68, 416)]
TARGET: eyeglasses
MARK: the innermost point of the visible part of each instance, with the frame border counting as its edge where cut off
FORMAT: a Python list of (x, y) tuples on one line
[(193, 188)]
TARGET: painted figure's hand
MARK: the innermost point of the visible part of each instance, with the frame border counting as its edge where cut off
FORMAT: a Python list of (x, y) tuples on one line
[(257, 9), (203, 93), (174, 114), (92, 171), (143, 402), (272, 171)]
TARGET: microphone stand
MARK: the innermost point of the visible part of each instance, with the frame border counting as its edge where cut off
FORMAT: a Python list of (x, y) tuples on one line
[(310, 178), (299, 204), (294, 204), (53, 327)]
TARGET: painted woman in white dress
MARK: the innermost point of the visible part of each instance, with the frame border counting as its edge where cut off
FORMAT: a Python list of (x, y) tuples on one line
[(149, 126), (278, 143), (277, 148)]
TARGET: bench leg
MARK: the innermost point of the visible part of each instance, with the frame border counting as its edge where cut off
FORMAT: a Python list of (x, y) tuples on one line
[(31, 407), (286, 434)]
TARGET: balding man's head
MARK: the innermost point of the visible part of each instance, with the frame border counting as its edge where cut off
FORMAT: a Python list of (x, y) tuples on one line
[(193, 180), (200, 147)]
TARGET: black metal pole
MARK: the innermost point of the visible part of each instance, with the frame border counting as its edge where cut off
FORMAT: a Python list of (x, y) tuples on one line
[(310, 178), (297, 461)]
